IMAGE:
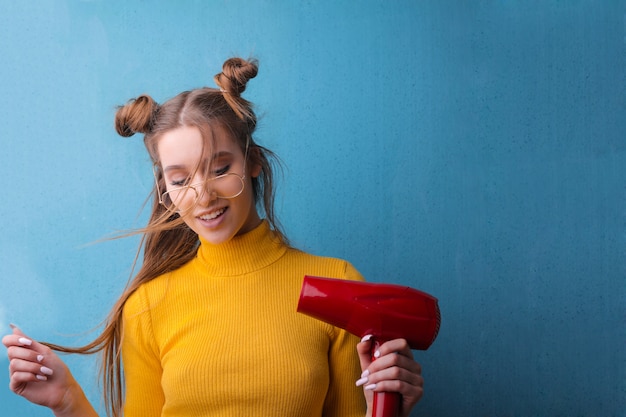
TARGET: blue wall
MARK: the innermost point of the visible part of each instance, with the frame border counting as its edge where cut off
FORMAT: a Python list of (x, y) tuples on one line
[(475, 150)]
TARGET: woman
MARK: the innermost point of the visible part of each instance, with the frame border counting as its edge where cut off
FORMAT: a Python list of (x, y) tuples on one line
[(208, 326)]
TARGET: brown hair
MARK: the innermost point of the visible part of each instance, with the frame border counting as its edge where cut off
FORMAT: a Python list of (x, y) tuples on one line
[(167, 242)]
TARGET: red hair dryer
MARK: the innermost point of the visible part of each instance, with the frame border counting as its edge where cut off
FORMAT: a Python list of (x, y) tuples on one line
[(385, 311)]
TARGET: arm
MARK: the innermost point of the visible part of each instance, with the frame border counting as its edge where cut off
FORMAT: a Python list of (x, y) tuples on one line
[(144, 395), (343, 398), (40, 376)]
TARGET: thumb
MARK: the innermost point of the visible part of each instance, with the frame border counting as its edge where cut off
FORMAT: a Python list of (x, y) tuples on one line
[(12, 340), (16, 330), (364, 349), (19, 338)]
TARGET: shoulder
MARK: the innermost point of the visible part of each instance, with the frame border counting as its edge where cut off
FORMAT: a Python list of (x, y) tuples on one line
[(322, 265), (146, 296)]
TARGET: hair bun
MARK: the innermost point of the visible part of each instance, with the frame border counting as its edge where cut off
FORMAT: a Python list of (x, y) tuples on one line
[(136, 116), (236, 72)]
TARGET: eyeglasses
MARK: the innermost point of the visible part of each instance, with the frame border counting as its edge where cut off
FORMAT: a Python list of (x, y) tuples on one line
[(229, 185)]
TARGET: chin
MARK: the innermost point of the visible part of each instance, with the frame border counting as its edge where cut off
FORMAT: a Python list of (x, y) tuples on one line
[(217, 238)]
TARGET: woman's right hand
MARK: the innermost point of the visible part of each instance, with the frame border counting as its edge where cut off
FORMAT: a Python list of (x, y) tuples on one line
[(40, 376)]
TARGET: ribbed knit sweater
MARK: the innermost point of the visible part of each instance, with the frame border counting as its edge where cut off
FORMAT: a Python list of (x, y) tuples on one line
[(221, 337)]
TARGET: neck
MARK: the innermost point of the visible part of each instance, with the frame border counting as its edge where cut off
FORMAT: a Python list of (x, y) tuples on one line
[(244, 253)]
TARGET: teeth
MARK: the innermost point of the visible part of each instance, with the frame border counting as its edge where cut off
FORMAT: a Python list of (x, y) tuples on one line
[(211, 216)]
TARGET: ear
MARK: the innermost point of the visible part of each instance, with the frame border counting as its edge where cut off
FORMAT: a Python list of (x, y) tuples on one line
[(255, 166), (256, 170)]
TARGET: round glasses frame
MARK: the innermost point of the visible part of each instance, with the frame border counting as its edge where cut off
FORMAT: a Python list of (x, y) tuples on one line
[(168, 202), (184, 193)]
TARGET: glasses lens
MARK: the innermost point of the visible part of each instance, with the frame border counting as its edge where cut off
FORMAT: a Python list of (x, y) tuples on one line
[(224, 186), (179, 197)]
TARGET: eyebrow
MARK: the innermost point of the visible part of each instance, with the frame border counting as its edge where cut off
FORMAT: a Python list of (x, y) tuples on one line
[(173, 168), (216, 156)]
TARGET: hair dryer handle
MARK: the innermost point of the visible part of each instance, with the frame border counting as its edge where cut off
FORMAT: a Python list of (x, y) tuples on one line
[(386, 404)]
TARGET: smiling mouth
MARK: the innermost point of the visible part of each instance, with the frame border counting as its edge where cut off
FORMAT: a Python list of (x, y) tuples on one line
[(212, 215)]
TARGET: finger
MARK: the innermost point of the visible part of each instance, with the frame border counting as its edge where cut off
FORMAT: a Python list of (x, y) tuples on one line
[(16, 340), (37, 371), (364, 348), (400, 346), (393, 359), (411, 392), (19, 338), (18, 352), (393, 376), (16, 330), (20, 379)]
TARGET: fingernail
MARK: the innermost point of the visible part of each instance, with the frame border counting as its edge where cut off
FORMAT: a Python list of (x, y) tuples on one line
[(25, 341), (365, 373), (46, 371), (12, 326), (39, 358), (377, 354), (366, 338), (370, 387), (361, 381), (41, 377)]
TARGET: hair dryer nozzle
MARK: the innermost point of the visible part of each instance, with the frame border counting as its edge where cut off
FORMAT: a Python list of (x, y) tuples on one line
[(386, 311)]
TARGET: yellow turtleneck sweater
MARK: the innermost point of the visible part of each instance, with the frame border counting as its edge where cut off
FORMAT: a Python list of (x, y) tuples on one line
[(221, 337)]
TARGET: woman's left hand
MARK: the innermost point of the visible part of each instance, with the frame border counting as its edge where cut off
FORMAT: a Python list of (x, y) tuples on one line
[(393, 370)]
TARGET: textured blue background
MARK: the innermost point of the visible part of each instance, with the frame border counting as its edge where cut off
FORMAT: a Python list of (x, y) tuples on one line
[(475, 150)]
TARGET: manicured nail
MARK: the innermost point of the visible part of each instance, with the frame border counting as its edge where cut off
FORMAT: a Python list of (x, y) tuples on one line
[(377, 354), (361, 381), (25, 341), (12, 326), (46, 371), (365, 373), (39, 358), (366, 338), (41, 377), (370, 387)]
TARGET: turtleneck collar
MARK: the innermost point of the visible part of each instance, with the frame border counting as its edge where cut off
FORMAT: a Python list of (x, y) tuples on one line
[(242, 254)]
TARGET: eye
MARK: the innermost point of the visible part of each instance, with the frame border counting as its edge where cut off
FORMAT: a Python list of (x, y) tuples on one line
[(221, 171), (179, 181)]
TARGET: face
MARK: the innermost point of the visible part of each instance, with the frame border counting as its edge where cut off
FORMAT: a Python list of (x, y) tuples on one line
[(215, 219)]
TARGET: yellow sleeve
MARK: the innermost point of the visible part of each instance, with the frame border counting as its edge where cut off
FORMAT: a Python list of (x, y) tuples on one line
[(344, 398), (142, 368), (352, 274)]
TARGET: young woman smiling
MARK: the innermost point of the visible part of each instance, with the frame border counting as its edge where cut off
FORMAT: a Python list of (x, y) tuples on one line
[(208, 326)]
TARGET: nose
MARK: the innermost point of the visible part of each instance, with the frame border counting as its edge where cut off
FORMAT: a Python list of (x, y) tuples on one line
[(206, 195)]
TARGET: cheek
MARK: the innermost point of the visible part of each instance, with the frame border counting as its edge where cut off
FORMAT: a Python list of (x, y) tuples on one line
[(188, 218)]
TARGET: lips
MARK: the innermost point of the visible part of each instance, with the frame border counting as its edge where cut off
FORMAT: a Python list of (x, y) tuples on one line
[(212, 215)]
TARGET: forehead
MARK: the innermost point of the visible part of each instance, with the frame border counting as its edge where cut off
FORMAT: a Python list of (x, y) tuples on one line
[(186, 146)]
